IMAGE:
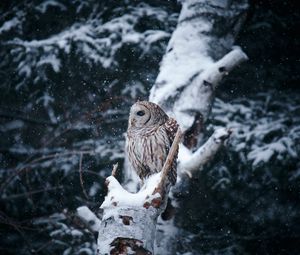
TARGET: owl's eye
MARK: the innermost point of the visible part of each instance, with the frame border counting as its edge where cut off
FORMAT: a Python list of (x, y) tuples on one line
[(140, 113)]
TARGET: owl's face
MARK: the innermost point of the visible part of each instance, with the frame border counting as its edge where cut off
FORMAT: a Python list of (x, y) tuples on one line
[(145, 114)]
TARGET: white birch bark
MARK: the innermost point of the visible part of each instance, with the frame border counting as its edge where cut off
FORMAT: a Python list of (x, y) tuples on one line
[(199, 54), (129, 220)]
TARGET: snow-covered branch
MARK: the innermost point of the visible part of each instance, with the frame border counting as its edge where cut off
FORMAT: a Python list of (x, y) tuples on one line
[(94, 42), (191, 162), (213, 75), (196, 61), (194, 64), (90, 220), (129, 219)]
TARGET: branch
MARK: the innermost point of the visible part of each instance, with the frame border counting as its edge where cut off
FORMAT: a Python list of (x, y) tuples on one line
[(194, 63), (29, 193), (129, 219), (191, 162), (27, 119), (81, 177), (221, 68), (88, 218), (161, 187), (114, 171)]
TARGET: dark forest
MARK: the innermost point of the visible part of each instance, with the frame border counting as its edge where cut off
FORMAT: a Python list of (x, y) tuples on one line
[(69, 72)]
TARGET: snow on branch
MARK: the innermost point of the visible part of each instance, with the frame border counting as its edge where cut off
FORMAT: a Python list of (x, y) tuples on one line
[(128, 222), (90, 220), (213, 75), (191, 162)]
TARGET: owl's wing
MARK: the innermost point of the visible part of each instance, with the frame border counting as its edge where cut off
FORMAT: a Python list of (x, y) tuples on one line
[(134, 154), (171, 127), (153, 150)]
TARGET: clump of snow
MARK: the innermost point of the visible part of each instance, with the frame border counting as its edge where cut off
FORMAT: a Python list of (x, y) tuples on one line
[(85, 213), (8, 25), (184, 154), (15, 124), (43, 7), (220, 134), (118, 196), (52, 60)]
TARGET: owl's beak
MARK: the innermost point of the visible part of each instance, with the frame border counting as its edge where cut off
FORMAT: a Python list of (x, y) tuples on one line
[(132, 122)]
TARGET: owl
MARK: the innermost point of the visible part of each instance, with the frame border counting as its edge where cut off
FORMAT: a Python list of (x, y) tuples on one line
[(150, 135)]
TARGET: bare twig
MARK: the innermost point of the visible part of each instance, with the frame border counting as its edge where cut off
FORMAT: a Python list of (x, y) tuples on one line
[(114, 171), (27, 119), (28, 165), (168, 163), (8, 221), (15, 196), (81, 178), (43, 246)]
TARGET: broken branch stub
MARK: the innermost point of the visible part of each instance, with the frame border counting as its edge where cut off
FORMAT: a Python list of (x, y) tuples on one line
[(192, 162), (164, 185)]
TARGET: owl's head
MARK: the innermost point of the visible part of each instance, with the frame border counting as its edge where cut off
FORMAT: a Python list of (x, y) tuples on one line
[(145, 114)]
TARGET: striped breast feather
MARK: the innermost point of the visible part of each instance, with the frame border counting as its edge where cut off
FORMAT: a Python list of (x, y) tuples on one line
[(155, 149)]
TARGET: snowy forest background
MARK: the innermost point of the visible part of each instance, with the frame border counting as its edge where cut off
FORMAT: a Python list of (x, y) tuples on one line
[(70, 70)]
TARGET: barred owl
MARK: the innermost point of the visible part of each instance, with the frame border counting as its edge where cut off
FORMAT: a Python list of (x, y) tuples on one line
[(150, 135)]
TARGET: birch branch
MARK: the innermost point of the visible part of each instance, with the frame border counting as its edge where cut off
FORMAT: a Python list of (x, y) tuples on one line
[(129, 219), (161, 187), (81, 177), (191, 162), (198, 59), (221, 68), (199, 55)]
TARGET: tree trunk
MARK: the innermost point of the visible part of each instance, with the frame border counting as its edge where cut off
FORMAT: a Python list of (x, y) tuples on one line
[(191, 69)]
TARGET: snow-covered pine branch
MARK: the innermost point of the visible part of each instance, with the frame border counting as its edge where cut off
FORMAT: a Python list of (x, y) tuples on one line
[(92, 41)]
